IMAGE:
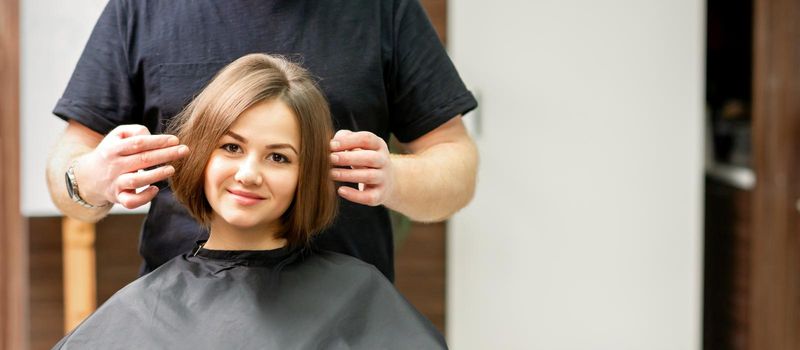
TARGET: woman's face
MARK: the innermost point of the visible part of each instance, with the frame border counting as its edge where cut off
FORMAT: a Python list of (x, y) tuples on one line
[(251, 176)]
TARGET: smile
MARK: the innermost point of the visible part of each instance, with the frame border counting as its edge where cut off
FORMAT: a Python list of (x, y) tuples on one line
[(245, 198)]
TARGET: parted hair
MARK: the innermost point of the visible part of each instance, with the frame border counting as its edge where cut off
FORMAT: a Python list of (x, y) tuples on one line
[(241, 84)]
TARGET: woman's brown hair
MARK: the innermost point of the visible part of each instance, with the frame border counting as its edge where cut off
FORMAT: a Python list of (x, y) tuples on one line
[(243, 83)]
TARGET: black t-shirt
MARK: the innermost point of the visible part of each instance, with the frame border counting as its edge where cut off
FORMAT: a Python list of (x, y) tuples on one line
[(379, 63)]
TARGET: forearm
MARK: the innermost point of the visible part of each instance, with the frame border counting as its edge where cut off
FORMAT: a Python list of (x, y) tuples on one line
[(434, 184), (60, 159)]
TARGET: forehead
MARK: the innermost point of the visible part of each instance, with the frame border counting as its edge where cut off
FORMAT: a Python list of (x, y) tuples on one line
[(268, 121)]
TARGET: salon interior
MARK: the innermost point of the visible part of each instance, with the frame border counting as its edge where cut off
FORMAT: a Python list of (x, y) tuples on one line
[(638, 185)]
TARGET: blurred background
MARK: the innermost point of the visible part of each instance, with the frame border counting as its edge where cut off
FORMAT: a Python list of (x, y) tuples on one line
[(637, 189)]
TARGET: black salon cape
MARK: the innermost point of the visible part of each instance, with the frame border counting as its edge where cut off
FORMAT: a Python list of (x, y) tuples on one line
[(276, 299)]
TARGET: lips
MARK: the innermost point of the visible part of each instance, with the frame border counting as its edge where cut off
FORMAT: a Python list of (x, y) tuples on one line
[(245, 194), (244, 197)]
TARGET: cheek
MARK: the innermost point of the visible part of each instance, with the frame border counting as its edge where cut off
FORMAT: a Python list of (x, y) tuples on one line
[(215, 172), (285, 183)]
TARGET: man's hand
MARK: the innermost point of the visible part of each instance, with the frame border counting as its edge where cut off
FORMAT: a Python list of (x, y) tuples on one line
[(365, 157), (110, 173), (431, 183)]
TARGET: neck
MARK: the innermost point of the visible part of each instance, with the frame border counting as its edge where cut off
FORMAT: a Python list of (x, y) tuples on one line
[(222, 236)]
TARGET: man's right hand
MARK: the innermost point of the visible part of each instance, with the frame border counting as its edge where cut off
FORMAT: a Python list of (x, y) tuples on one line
[(110, 173)]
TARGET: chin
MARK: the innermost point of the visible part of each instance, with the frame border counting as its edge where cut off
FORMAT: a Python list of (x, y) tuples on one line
[(241, 220)]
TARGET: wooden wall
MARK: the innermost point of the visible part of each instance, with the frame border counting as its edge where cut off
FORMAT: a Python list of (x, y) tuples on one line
[(118, 264), (421, 272), (726, 276), (12, 243), (775, 251)]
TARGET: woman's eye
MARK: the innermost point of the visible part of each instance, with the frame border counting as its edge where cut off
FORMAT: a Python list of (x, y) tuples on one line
[(230, 147), (279, 158)]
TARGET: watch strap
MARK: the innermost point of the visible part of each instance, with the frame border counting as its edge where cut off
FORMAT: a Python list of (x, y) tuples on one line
[(73, 190)]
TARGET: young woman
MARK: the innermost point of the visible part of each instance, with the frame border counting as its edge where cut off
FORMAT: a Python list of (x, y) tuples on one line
[(257, 177)]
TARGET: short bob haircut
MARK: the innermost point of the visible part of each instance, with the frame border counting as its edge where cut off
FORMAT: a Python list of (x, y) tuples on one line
[(245, 82)]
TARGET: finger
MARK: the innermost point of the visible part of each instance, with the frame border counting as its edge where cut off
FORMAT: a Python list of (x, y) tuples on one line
[(341, 133), (132, 181), (369, 197), (131, 200), (359, 158), (151, 158), (140, 143), (366, 176), (361, 139), (128, 130), (335, 144)]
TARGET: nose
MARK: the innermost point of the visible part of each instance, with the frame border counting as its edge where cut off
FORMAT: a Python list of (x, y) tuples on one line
[(248, 173)]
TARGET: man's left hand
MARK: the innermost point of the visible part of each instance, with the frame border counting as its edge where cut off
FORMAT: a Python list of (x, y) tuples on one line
[(366, 161)]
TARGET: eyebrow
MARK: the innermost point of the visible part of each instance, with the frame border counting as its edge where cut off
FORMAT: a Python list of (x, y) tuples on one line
[(241, 139)]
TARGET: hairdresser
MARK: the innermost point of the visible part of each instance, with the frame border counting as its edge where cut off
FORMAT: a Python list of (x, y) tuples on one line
[(379, 63)]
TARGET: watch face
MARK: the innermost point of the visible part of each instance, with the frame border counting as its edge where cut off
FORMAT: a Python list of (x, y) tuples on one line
[(69, 185)]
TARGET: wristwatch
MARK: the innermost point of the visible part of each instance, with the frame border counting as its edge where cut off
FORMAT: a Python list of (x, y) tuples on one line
[(72, 188)]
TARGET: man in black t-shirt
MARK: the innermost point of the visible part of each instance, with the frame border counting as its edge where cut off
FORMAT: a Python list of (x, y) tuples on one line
[(379, 63)]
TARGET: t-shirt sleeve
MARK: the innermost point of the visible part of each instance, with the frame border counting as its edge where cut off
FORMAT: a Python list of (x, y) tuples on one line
[(101, 92), (425, 88)]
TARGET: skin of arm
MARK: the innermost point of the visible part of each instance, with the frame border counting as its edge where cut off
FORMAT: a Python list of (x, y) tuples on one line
[(430, 184), (107, 168)]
